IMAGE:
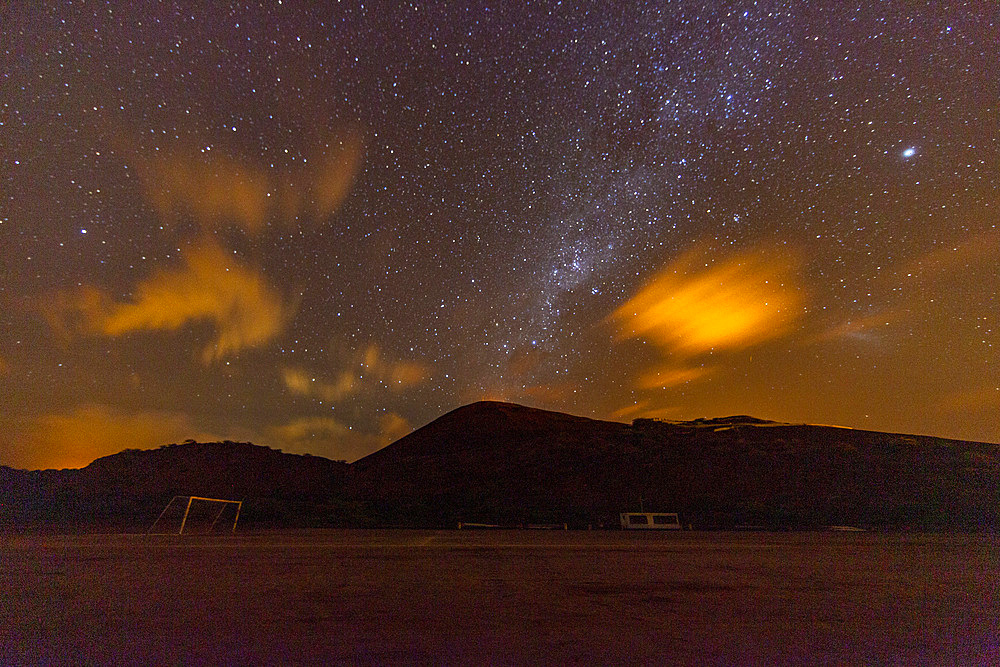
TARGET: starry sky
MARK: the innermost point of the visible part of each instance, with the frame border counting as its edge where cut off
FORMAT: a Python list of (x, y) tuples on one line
[(318, 226)]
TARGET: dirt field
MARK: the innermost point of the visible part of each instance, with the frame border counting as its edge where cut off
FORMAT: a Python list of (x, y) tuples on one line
[(385, 597)]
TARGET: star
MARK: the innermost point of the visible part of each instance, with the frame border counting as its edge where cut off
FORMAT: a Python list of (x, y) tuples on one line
[(461, 200)]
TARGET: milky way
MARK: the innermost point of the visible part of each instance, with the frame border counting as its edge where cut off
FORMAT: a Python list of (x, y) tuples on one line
[(317, 228)]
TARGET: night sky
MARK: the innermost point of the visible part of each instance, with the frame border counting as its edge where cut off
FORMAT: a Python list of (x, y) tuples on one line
[(317, 226)]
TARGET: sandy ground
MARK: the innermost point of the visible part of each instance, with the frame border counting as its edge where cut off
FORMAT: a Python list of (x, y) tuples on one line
[(501, 597)]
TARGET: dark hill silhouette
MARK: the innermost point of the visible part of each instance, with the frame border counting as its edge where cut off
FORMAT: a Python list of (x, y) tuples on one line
[(490, 461), (129, 487), (510, 464), (502, 463)]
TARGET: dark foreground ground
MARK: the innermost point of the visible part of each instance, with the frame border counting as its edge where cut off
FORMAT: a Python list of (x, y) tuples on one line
[(384, 597)]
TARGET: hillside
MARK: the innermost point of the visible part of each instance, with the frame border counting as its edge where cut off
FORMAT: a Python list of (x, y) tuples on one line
[(496, 462), (509, 464), (129, 488)]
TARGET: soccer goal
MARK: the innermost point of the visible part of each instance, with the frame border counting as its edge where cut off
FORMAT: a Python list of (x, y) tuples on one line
[(195, 514)]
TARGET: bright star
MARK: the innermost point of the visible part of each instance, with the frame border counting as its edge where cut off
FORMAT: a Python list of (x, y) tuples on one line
[(909, 152)]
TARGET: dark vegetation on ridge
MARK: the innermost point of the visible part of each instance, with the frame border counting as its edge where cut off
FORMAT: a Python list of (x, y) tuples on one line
[(126, 491), (508, 464)]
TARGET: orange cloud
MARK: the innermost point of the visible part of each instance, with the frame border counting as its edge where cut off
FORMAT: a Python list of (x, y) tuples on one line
[(74, 439), (667, 376), (337, 166), (403, 374), (396, 375), (297, 380), (393, 427), (209, 287), (218, 190), (325, 436), (300, 382), (643, 409), (321, 436), (70, 312), (367, 365), (699, 303), (371, 356)]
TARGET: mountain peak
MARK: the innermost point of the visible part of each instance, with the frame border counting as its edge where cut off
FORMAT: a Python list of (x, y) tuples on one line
[(507, 464)]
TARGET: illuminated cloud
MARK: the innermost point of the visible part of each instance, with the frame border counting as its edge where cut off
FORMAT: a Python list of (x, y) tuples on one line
[(370, 356), (403, 374), (396, 375), (367, 367), (668, 376), (209, 287), (75, 438), (325, 436), (218, 190), (644, 409), (393, 427), (982, 251), (302, 383), (700, 303), (70, 312), (920, 288), (335, 174), (322, 436), (863, 329), (297, 380)]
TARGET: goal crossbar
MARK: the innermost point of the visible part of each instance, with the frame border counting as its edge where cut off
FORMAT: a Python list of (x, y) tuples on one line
[(187, 510)]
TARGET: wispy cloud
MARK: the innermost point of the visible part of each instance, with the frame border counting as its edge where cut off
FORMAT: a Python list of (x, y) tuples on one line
[(404, 374), (326, 436), (396, 375), (670, 376), (644, 409), (921, 287), (367, 368), (981, 250), (210, 286), (392, 427), (707, 302), (300, 382), (217, 190), (864, 328)]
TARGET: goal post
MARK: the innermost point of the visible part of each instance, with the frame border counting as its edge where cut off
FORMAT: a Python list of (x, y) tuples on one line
[(195, 511)]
